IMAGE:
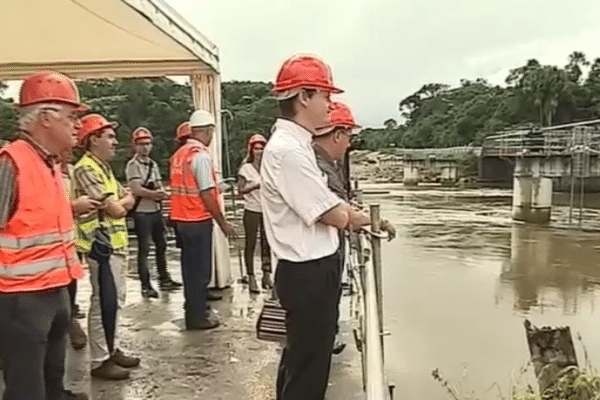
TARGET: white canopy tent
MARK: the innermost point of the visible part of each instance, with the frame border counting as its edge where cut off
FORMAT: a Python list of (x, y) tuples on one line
[(115, 39)]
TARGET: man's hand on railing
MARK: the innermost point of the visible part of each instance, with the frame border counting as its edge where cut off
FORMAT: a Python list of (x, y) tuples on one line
[(387, 230), (386, 226)]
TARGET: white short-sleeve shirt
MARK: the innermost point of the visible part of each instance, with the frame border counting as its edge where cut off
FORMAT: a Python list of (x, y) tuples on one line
[(252, 176), (294, 195), (202, 168)]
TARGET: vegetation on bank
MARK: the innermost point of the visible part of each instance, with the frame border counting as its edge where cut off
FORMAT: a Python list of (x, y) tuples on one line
[(571, 383), (434, 116)]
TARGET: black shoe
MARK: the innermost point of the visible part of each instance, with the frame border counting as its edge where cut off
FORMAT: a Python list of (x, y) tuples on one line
[(267, 283), (338, 348), (213, 297), (209, 321), (77, 313), (77, 335), (169, 284), (252, 285), (149, 292)]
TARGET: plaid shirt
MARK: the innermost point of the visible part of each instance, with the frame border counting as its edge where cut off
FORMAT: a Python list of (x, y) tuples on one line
[(8, 178), (87, 182)]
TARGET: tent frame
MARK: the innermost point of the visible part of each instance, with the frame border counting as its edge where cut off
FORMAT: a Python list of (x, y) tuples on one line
[(205, 84)]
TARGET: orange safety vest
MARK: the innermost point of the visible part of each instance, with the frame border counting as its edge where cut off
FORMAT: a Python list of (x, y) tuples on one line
[(37, 246), (186, 203)]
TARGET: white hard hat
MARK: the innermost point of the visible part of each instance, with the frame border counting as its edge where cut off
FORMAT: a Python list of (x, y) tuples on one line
[(202, 118)]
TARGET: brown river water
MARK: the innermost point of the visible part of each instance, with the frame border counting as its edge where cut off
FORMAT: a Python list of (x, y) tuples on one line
[(461, 278)]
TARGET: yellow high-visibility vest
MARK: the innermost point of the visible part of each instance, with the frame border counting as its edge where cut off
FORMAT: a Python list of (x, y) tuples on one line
[(86, 227)]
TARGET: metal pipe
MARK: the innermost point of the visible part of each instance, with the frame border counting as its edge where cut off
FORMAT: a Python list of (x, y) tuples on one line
[(375, 380), (376, 249)]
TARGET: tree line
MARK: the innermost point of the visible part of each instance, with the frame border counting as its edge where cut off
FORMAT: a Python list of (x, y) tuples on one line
[(436, 115)]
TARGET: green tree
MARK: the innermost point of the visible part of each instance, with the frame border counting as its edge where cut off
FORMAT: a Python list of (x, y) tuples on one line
[(8, 116)]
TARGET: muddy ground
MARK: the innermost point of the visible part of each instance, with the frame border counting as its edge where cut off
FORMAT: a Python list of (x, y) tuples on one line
[(224, 363)]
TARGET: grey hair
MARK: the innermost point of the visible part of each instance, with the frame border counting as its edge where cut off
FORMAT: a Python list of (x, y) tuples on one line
[(28, 115)]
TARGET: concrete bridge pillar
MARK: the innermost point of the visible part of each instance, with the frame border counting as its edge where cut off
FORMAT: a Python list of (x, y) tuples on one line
[(449, 173), (411, 172), (532, 192)]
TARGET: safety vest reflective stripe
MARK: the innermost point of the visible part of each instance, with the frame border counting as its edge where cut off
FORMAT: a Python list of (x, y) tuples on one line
[(184, 191), (20, 270), (14, 243), (37, 249)]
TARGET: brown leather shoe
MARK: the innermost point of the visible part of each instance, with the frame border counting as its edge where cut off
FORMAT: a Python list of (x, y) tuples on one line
[(110, 371), (77, 335), (75, 396), (125, 361)]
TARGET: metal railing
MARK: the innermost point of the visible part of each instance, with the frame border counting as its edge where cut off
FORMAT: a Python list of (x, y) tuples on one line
[(366, 277), (548, 141)]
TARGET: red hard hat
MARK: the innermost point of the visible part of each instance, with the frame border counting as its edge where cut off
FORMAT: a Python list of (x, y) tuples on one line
[(339, 116), (141, 133), (256, 139), (93, 123), (184, 130), (49, 87), (304, 72)]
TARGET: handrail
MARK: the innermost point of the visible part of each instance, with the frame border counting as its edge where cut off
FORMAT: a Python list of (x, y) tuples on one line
[(366, 257), (375, 377)]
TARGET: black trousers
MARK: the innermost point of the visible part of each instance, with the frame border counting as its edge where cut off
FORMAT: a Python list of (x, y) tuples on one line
[(196, 266), (32, 343), (253, 222), (150, 225), (308, 291)]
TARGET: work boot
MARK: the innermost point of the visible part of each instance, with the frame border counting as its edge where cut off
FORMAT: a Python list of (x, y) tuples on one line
[(149, 292), (75, 396), (338, 347), (213, 296), (267, 283), (77, 335), (169, 284), (77, 313), (124, 361), (209, 321), (252, 285), (109, 370)]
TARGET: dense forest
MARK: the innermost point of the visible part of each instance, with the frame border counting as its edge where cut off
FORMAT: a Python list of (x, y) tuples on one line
[(436, 115)]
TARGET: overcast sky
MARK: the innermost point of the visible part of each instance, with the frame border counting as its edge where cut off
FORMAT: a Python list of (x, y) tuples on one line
[(381, 51)]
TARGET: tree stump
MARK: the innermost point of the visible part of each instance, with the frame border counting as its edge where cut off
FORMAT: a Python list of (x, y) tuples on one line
[(551, 351)]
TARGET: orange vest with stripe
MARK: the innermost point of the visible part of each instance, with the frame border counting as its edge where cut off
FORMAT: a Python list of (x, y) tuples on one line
[(186, 203), (37, 245)]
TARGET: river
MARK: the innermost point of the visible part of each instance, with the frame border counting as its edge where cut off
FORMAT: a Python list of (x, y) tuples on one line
[(461, 278)]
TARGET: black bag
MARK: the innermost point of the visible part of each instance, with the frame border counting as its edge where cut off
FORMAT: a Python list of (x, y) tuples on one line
[(144, 185), (271, 322)]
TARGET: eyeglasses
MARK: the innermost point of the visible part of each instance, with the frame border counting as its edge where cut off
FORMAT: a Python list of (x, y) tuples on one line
[(73, 116)]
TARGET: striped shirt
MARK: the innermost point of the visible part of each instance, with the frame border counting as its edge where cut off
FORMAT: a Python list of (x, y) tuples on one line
[(138, 170), (8, 178)]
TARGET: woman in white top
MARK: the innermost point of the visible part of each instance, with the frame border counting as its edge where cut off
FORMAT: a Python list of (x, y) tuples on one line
[(248, 187)]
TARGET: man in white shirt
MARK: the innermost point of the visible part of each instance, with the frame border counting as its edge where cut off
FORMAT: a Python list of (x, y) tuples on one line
[(144, 180), (302, 217)]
